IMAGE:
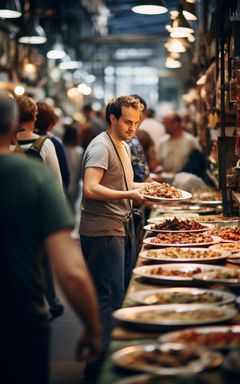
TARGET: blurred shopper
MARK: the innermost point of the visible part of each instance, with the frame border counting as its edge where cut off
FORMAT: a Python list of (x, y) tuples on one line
[(149, 151), (176, 146), (34, 215), (46, 119), (74, 154), (152, 126), (28, 140), (26, 137), (106, 225), (94, 125)]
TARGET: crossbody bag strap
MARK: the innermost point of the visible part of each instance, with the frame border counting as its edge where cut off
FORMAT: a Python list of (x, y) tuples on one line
[(124, 174)]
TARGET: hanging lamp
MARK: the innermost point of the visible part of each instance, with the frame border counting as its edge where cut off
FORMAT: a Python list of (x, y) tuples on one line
[(180, 26), (10, 9), (189, 11), (32, 33), (149, 7)]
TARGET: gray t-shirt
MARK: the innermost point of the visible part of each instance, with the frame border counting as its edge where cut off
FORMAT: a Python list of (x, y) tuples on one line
[(98, 217)]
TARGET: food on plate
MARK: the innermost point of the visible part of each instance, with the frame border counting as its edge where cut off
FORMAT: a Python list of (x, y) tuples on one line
[(181, 238), (226, 233), (176, 224), (184, 298), (229, 247), (179, 316), (227, 337), (226, 273), (161, 190), (178, 253), (174, 272), (167, 359), (208, 196)]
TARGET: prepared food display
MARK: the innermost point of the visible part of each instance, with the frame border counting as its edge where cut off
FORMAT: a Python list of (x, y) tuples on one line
[(173, 273), (182, 296), (223, 275), (216, 337), (170, 359), (161, 190), (208, 196), (175, 314), (175, 225), (231, 234), (181, 238), (195, 254), (229, 247)]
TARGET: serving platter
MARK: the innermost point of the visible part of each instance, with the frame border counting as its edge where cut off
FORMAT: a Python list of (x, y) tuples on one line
[(224, 275), (173, 273), (183, 255), (168, 360), (185, 196), (182, 295), (214, 337), (174, 315), (233, 246), (150, 227), (148, 240), (185, 208)]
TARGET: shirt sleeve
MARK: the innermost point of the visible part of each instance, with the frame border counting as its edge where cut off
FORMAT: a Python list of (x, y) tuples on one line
[(96, 156)]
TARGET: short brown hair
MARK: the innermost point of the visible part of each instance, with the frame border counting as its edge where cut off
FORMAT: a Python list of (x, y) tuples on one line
[(115, 105), (46, 117), (27, 109)]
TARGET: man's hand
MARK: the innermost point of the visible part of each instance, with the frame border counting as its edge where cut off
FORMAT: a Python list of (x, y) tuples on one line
[(88, 347)]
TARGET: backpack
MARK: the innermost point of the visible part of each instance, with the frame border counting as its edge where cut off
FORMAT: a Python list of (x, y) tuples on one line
[(34, 150)]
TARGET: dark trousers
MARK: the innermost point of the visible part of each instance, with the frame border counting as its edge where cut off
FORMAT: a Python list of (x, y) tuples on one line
[(110, 264), (25, 356)]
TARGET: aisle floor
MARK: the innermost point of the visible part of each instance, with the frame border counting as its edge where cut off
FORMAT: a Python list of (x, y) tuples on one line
[(65, 333)]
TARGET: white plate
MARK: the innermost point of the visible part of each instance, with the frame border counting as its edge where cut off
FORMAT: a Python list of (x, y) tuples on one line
[(185, 196), (207, 202), (207, 227), (185, 209), (149, 297), (210, 277), (144, 272), (160, 256), (128, 358), (190, 336), (226, 246), (138, 379), (215, 240), (180, 216), (168, 313)]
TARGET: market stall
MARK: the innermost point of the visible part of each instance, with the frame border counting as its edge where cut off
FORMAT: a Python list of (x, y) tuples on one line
[(183, 291)]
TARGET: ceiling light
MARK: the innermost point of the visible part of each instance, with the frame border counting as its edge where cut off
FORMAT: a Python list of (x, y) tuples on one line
[(56, 52), (19, 90), (191, 38), (70, 64), (153, 7), (180, 27), (201, 80), (10, 9), (173, 14), (32, 33), (172, 63), (175, 45), (189, 11)]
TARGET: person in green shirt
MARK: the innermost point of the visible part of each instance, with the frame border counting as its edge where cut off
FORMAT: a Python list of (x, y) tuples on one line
[(34, 216)]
